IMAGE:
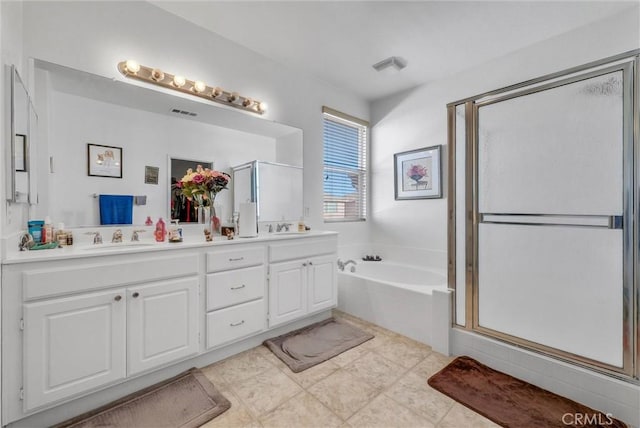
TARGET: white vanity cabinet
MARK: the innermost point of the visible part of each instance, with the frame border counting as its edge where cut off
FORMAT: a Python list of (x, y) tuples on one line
[(306, 282), (236, 287), (77, 339), (73, 344)]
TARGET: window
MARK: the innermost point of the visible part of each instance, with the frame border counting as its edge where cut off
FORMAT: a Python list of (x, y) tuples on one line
[(345, 166)]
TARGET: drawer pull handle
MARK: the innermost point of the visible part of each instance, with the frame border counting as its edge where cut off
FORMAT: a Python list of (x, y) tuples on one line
[(237, 259), (236, 324), (238, 288), (117, 298), (304, 264)]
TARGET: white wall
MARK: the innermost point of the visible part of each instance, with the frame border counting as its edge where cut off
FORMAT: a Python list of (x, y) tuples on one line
[(95, 36), (417, 118)]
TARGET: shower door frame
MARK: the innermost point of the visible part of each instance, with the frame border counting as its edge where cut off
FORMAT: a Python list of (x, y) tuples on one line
[(629, 64)]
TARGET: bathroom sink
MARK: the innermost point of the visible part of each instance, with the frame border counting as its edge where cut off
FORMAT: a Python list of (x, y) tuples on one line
[(121, 246)]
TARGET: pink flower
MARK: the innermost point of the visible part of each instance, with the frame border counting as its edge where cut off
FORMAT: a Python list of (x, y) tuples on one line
[(198, 179), (416, 172)]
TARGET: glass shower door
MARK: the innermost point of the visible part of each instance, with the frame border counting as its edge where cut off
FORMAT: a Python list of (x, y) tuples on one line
[(553, 217)]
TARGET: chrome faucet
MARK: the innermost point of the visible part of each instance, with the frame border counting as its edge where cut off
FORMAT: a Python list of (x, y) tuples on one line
[(342, 265), (135, 237), (117, 236), (26, 242), (281, 226), (97, 238)]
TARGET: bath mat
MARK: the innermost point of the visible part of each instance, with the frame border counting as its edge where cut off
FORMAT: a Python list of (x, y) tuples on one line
[(512, 402), (187, 401), (311, 345)]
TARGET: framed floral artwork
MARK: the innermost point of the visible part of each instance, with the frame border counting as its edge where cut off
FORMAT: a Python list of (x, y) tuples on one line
[(418, 174), (104, 161)]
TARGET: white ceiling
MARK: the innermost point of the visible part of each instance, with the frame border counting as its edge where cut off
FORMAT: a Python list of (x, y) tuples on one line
[(339, 41)]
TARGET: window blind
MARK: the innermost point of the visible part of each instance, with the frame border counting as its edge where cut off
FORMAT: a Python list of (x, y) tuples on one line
[(345, 167)]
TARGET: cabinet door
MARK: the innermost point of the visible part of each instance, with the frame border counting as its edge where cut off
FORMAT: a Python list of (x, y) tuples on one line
[(323, 290), (162, 323), (72, 345), (287, 291)]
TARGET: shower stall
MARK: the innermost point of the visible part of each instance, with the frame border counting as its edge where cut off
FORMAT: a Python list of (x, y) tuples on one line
[(544, 199)]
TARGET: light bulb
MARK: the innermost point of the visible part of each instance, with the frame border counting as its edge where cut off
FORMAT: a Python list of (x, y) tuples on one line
[(262, 107), (157, 75), (232, 97), (248, 102), (131, 66), (199, 86), (179, 81), (216, 92)]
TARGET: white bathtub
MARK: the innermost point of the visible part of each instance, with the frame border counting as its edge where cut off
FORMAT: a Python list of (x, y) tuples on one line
[(395, 296)]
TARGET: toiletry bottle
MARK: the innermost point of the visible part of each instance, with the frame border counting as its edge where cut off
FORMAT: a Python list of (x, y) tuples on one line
[(301, 225), (69, 238), (148, 221), (161, 230), (47, 231)]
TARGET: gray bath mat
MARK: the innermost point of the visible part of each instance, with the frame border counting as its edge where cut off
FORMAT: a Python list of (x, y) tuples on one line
[(186, 401), (311, 345)]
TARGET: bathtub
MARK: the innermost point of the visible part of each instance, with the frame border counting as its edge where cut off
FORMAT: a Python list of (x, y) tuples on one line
[(395, 296)]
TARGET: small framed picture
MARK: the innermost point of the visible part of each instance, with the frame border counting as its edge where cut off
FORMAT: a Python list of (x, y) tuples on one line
[(20, 151), (418, 174), (104, 161), (151, 174)]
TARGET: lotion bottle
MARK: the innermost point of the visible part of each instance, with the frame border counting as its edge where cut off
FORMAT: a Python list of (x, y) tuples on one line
[(161, 230)]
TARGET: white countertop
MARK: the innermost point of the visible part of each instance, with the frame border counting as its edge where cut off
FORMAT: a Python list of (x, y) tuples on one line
[(85, 248)]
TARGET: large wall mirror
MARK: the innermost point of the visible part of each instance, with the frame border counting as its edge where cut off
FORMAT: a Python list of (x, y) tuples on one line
[(150, 126), (22, 117)]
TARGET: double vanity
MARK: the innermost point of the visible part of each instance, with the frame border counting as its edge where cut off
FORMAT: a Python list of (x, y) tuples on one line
[(82, 320)]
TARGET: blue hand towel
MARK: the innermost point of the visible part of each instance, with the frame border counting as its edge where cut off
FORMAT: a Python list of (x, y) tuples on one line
[(116, 209)]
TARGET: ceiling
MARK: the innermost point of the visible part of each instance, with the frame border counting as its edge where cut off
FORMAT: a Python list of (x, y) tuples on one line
[(339, 41)]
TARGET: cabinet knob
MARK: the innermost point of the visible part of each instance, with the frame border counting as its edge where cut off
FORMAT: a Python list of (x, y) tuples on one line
[(310, 263), (304, 264), (136, 294), (117, 298)]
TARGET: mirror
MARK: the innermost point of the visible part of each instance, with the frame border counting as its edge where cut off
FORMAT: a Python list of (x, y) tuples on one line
[(275, 188), (18, 168), (150, 126), (181, 208)]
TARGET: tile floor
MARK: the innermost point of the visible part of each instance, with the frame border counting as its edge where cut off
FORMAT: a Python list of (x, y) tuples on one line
[(381, 383)]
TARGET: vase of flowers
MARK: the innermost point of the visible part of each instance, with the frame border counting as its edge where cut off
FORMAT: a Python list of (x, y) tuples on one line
[(202, 186)]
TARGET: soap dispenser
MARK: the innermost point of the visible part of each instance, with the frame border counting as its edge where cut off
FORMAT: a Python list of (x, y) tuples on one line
[(161, 230)]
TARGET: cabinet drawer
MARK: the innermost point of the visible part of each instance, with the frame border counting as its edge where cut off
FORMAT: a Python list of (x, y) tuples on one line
[(225, 259), (226, 325), (301, 248), (235, 286)]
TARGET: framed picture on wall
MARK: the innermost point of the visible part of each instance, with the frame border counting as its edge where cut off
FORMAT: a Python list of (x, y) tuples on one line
[(418, 174), (151, 174), (104, 161)]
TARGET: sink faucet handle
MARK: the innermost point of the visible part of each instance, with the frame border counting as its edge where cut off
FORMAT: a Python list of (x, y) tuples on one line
[(97, 238), (117, 236), (135, 235)]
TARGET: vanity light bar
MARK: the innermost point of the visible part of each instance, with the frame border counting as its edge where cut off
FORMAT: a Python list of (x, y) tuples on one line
[(196, 88)]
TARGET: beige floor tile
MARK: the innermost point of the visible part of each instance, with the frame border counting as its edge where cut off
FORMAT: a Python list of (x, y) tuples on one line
[(270, 356), (432, 364), (314, 374), (403, 351), (349, 356), (413, 392), (343, 393), (266, 391), (382, 413), (461, 417), (375, 370), (243, 366), (214, 374), (302, 411)]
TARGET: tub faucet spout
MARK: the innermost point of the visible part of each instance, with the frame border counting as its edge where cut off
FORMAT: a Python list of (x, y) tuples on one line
[(342, 265)]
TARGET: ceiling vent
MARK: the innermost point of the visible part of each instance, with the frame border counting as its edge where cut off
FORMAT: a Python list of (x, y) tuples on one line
[(394, 63), (183, 112)]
